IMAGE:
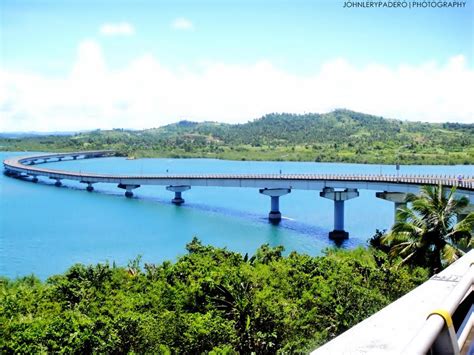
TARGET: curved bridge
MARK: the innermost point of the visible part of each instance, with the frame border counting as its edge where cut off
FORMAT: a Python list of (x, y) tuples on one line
[(336, 187)]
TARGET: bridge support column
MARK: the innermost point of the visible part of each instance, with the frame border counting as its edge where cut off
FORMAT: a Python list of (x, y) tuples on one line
[(398, 199), (89, 187), (34, 178), (338, 197), (11, 173), (58, 183), (178, 199), (74, 157), (128, 188), (275, 215)]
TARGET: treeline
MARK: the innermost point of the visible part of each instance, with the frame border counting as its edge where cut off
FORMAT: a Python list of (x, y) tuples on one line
[(338, 136), (210, 300)]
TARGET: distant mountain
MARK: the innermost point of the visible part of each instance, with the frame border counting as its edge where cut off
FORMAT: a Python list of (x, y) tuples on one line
[(339, 126), (35, 134), (341, 135)]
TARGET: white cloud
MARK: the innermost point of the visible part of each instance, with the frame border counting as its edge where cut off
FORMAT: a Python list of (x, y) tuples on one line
[(148, 94), (182, 24), (117, 29)]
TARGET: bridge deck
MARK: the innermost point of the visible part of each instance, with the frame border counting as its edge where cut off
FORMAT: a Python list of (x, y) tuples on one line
[(402, 183)]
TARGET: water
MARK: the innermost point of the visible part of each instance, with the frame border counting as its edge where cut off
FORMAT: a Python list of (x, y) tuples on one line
[(45, 229)]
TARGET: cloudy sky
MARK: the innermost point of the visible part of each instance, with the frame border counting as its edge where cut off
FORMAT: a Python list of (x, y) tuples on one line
[(83, 64)]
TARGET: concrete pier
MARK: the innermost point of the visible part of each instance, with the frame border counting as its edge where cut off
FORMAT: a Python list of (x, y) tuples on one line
[(178, 199), (58, 183), (398, 199), (34, 178), (275, 214), (11, 173), (128, 188), (89, 187), (338, 197)]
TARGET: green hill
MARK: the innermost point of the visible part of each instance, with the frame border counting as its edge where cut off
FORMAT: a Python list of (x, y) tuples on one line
[(338, 136)]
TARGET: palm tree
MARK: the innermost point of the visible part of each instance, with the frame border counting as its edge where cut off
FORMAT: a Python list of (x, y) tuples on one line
[(237, 303), (428, 233)]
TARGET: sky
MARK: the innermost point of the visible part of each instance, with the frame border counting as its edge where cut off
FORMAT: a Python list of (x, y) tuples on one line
[(78, 65)]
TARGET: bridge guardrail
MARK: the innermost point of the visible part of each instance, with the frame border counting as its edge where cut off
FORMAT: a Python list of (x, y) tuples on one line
[(437, 335), (18, 164), (419, 322)]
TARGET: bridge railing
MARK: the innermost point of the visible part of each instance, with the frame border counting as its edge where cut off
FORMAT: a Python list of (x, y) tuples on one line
[(464, 182), (421, 322), (438, 335)]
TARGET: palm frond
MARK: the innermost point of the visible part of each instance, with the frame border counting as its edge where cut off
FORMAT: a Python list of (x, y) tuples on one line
[(450, 254), (426, 232)]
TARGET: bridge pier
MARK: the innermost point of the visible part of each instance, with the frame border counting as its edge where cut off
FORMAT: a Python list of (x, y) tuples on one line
[(338, 197), (178, 190), (275, 215), (398, 199), (58, 182), (34, 178), (89, 187), (12, 173), (128, 188)]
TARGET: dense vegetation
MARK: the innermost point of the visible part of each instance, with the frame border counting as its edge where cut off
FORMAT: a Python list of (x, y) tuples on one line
[(209, 300), (427, 232), (339, 136)]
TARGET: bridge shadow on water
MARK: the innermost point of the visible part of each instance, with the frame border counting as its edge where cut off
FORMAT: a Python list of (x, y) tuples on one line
[(290, 224)]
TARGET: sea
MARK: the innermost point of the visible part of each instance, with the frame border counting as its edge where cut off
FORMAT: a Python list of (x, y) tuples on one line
[(45, 229)]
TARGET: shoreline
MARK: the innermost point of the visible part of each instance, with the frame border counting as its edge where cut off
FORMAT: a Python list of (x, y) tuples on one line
[(138, 155)]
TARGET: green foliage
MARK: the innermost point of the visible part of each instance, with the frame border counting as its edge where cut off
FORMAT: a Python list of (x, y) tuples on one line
[(427, 233), (341, 135), (211, 300)]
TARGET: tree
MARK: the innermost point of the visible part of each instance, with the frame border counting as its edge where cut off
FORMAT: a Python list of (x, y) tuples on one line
[(426, 234), (210, 300)]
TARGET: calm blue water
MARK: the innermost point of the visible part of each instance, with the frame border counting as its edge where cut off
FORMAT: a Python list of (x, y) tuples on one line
[(45, 229)]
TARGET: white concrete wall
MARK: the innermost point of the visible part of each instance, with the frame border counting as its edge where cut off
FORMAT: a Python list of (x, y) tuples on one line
[(390, 330)]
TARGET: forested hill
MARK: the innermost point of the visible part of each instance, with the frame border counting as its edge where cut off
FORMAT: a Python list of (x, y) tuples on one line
[(341, 135), (339, 126)]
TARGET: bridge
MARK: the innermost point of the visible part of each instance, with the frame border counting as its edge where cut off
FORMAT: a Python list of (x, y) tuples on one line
[(336, 187), (435, 318)]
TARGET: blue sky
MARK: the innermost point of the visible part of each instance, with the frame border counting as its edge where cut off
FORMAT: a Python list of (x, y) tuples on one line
[(302, 44)]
